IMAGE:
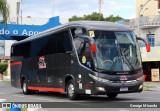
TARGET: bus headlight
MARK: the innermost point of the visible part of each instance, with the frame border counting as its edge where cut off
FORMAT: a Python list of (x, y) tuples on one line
[(98, 78)]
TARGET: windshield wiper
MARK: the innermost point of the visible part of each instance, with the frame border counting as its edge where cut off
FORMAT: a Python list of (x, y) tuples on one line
[(127, 61)]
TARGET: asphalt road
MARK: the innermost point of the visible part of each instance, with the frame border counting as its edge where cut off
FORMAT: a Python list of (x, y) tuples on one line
[(15, 95)]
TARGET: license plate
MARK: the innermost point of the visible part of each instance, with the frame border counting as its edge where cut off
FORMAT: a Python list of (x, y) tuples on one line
[(124, 89)]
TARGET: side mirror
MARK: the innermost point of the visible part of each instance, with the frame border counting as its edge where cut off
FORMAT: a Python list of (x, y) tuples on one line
[(93, 48), (148, 47), (91, 41)]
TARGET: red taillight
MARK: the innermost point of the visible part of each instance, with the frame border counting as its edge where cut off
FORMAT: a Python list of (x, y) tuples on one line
[(148, 48), (93, 48)]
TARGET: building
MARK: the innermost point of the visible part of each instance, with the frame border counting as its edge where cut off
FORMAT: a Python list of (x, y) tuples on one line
[(19, 28), (147, 25)]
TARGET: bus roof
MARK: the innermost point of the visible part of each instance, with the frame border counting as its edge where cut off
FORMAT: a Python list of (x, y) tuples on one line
[(89, 25)]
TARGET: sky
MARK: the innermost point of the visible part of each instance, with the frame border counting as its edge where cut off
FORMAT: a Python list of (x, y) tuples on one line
[(68, 8)]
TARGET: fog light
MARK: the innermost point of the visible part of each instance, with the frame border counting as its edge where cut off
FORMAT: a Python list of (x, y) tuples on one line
[(101, 89), (141, 86)]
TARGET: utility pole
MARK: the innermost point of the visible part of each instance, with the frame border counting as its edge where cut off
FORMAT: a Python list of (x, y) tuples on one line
[(53, 8), (100, 5)]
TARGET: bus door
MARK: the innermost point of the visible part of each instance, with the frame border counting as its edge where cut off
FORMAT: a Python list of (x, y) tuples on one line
[(85, 59)]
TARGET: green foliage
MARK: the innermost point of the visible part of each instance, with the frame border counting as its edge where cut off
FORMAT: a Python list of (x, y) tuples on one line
[(96, 17), (3, 67), (4, 10), (111, 18), (75, 18)]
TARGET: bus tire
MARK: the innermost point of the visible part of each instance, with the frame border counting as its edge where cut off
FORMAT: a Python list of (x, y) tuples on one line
[(25, 87), (72, 95), (112, 95)]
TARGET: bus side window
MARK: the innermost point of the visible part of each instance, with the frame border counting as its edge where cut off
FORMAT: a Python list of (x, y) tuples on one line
[(78, 31), (84, 53), (86, 58), (27, 50), (50, 47), (67, 42)]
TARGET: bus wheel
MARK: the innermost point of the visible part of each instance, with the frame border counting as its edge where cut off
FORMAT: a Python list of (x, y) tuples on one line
[(71, 90), (25, 87), (112, 95)]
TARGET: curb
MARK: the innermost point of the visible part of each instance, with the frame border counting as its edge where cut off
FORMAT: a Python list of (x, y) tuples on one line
[(151, 90), (157, 89)]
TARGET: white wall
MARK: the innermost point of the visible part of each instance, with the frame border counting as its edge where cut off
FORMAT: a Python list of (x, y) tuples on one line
[(1, 48), (153, 55), (8, 44), (33, 21), (14, 10)]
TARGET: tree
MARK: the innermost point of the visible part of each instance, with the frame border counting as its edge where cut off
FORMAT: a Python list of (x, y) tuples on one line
[(75, 18), (111, 18), (3, 67), (4, 10), (94, 16)]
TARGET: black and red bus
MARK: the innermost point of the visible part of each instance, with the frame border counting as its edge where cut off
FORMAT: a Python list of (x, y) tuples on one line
[(84, 57)]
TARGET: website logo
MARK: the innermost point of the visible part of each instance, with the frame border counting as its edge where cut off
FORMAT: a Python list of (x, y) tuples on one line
[(42, 64)]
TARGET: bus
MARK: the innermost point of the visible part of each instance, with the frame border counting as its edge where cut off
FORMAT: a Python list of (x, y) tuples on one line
[(79, 58)]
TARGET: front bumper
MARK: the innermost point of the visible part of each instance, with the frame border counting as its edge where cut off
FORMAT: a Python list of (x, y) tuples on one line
[(117, 86)]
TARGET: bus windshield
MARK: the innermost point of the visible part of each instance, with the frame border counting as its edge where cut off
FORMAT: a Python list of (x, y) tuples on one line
[(116, 51)]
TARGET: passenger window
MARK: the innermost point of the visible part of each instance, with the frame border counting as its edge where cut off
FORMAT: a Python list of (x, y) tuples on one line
[(78, 31), (27, 50), (84, 53), (64, 43), (60, 46), (51, 45), (86, 58), (67, 42)]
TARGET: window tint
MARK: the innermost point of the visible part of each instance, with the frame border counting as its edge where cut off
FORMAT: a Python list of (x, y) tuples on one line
[(50, 47), (27, 49), (78, 44), (60, 45), (21, 50), (38, 47), (84, 53), (63, 42), (67, 42), (78, 31), (49, 44)]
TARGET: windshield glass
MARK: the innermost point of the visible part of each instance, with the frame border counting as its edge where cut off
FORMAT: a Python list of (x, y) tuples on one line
[(116, 51)]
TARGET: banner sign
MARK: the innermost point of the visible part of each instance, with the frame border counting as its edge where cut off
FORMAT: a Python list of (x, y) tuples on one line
[(80, 105)]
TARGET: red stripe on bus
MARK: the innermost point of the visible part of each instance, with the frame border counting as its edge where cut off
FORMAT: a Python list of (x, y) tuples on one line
[(46, 89), (16, 63)]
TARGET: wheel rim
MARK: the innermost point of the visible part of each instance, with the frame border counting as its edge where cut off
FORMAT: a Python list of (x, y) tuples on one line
[(71, 90), (24, 87)]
